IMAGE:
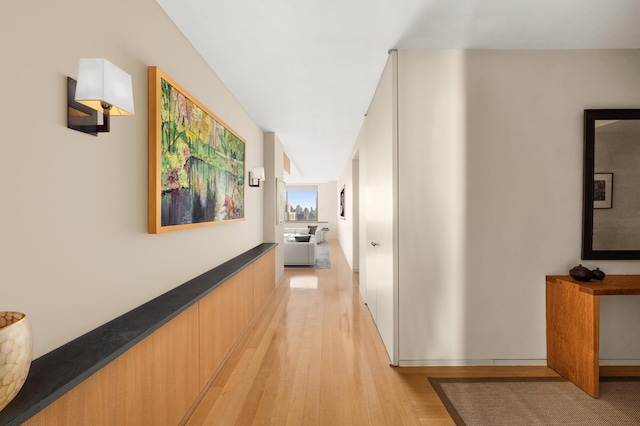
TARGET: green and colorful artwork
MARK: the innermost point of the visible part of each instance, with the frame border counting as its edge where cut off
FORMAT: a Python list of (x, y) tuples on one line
[(199, 161)]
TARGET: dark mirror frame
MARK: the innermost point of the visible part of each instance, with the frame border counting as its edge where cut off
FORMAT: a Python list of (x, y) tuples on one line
[(590, 117)]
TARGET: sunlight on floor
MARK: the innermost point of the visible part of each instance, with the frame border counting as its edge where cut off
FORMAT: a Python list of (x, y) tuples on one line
[(303, 281)]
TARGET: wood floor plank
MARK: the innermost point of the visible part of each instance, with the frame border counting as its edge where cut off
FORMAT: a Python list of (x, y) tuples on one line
[(202, 410), (271, 367), (312, 392), (232, 397), (295, 415), (254, 378)]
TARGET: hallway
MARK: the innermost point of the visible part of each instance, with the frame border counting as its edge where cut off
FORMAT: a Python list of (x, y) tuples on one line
[(314, 357)]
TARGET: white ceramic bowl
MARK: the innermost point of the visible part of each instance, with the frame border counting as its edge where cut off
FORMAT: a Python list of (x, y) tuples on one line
[(16, 350)]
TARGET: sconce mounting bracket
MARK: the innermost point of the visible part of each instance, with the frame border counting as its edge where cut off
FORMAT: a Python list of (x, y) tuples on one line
[(82, 118)]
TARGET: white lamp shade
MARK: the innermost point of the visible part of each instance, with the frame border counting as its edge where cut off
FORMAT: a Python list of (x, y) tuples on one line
[(258, 173), (99, 81)]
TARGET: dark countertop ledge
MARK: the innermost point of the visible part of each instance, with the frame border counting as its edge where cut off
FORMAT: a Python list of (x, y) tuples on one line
[(57, 372)]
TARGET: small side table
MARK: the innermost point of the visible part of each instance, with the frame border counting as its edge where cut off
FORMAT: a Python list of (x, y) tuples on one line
[(324, 234)]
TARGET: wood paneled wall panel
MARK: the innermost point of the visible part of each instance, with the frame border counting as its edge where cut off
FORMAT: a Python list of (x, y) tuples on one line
[(572, 338), (224, 315), (264, 279), (155, 382)]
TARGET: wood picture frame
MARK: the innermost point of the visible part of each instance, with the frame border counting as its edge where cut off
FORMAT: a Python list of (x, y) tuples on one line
[(196, 161), (613, 129)]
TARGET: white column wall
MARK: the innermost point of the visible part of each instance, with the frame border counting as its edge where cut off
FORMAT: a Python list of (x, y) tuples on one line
[(273, 167), (432, 294)]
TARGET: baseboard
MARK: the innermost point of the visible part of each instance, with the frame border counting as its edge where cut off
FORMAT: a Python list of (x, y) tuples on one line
[(619, 362), (471, 362), (501, 362)]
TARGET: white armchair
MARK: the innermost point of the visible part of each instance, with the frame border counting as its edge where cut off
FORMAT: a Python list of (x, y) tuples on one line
[(300, 252)]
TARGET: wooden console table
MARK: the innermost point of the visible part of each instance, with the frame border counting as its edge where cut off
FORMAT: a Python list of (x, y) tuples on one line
[(573, 325), (151, 364)]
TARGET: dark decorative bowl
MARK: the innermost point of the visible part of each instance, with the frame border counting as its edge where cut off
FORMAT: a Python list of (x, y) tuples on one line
[(580, 273), (597, 274)]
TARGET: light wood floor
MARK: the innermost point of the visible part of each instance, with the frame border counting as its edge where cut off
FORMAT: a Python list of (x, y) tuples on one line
[(314, 357)]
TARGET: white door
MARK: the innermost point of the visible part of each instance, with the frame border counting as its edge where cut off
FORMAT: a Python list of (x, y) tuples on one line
[(380, 204)]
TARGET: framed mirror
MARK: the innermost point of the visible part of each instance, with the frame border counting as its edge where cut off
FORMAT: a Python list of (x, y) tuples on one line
[(611, 212)]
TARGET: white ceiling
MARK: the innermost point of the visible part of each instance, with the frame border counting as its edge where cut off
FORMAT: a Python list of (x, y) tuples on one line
[(307, 69)]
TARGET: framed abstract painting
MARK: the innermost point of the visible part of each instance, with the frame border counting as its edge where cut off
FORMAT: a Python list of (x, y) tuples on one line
[(196, 161)]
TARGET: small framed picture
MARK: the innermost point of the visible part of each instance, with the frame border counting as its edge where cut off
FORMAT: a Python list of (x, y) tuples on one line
[(602, 190), (342, 213)]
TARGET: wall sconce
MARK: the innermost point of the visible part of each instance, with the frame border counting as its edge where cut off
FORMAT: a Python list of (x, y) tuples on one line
[(256, 176), (101, 88)]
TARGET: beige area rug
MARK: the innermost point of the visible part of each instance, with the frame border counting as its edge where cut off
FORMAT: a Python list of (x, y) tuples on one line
[(538, 401)]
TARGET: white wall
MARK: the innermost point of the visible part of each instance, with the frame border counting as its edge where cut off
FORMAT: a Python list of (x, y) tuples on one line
[(328, 194), (379, 195), (355, 212), (491, 148), (273, 167), (359, 150), (76, 252), (345, 226), (349, 228)]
